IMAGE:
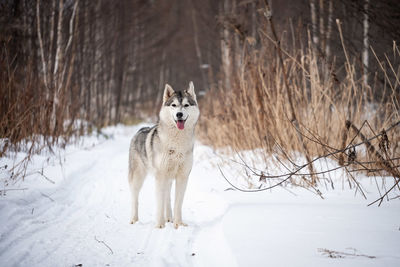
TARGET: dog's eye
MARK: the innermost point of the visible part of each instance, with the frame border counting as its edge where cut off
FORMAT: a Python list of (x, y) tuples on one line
[(173, 105), (186, 105)]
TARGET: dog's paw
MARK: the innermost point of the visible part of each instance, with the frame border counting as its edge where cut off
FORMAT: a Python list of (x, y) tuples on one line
[(133, 221), (177, 224), (160, 225)]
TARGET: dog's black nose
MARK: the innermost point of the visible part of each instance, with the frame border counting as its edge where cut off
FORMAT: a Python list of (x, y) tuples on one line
[(179, 115)]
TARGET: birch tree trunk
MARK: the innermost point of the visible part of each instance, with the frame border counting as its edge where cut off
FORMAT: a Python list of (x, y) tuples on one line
[(321, 25), (59, 43), (365, 53), (196, 44), (329, 29), (57, 65), (314, 22), (226, 52), (40, 39)]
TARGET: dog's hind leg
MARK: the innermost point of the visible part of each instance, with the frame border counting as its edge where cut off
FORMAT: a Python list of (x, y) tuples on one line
[(137, 174)]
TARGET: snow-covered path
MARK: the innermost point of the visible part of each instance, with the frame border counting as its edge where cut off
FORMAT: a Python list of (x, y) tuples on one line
[(82, 219)]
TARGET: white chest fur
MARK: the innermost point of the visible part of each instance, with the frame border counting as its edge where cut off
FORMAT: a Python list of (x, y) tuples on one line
[(175, 155)]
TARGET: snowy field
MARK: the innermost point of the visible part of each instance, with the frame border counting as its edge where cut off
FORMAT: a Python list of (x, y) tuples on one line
[(77, 213)]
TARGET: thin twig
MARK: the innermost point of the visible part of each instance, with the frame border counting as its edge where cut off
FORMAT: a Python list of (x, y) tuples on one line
[(3, 191), (253, 190), (340, 254), (47, 196), (104, 243), (296, 172), (45, 177)]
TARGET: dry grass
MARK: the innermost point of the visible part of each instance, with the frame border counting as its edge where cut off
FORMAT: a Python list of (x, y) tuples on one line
[(25, 114), (254, 113)]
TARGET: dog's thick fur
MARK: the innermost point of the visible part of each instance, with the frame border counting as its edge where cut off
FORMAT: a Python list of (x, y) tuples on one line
[(165, 149)]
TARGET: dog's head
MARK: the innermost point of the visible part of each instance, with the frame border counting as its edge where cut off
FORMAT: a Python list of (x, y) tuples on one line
[(180, 107)]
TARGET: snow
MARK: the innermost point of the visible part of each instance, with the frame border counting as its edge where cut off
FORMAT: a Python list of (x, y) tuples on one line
[(83, 217)]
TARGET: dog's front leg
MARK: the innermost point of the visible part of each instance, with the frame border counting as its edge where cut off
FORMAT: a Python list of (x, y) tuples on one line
[(180, 188), (167, 202), (161, 184)]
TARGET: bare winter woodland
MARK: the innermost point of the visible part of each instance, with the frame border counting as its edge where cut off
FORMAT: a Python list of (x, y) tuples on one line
[(319, 77)]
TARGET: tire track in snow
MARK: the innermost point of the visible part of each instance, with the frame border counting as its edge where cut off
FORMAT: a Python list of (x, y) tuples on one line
[(64, 212), (48, 218)]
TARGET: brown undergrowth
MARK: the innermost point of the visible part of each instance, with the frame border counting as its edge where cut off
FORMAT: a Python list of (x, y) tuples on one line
[(255, 112), (29, 120)]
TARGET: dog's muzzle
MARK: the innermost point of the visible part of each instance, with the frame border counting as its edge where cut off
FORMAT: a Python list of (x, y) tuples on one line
[(180, 122)]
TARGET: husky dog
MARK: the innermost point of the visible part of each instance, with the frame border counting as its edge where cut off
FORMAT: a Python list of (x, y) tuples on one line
[(166, 149)]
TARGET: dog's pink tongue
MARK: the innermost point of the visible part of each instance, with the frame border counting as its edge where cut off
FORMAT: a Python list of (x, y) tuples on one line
[(180, 125)]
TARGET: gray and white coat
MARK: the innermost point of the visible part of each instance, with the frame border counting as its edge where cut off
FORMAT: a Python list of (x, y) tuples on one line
[(166, 150)]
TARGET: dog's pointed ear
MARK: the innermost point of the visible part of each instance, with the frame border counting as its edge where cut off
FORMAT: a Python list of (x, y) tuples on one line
[(190, 91), (168, 92)]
